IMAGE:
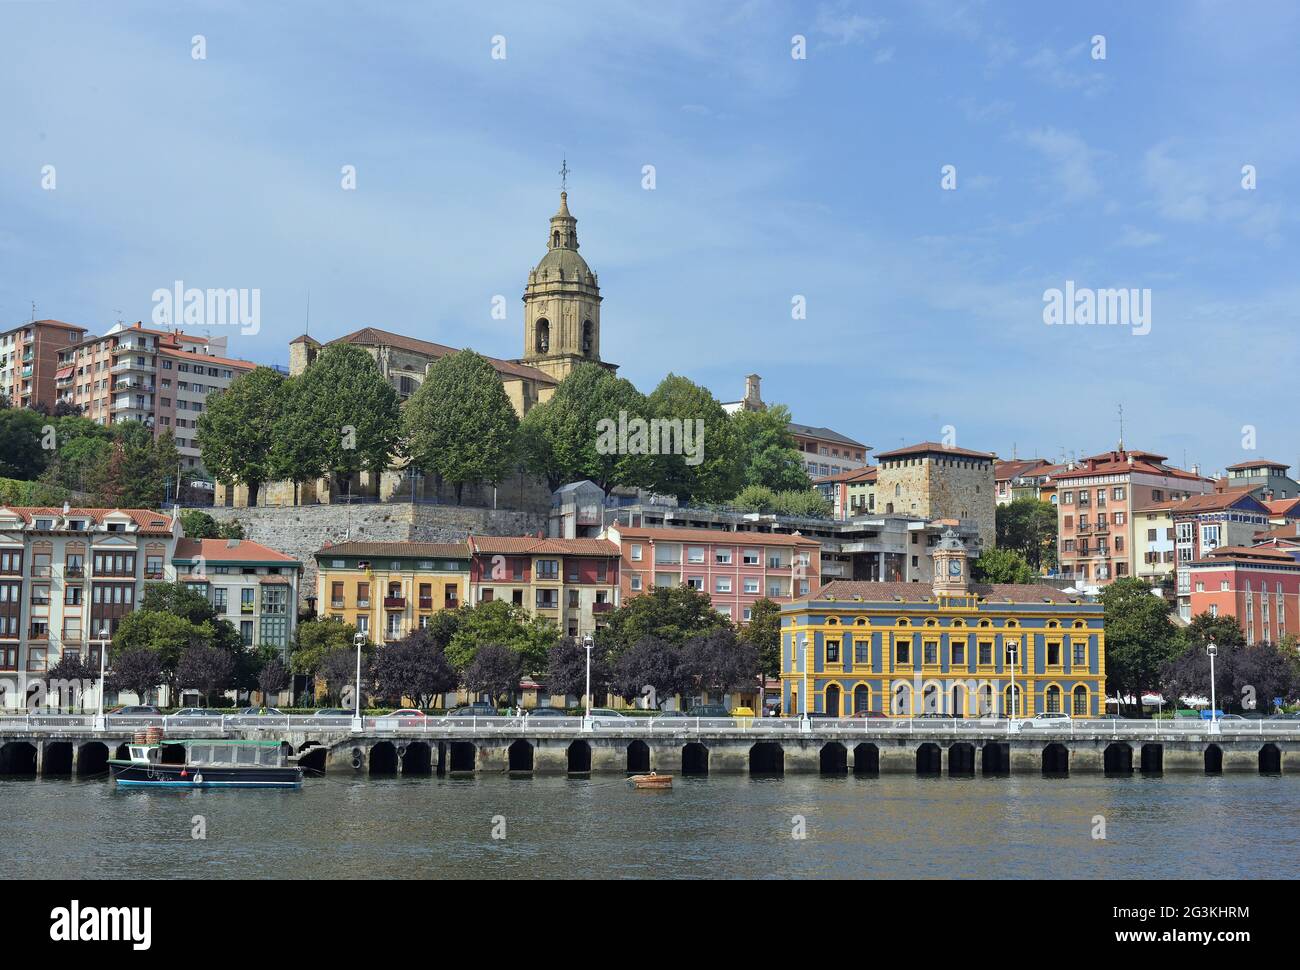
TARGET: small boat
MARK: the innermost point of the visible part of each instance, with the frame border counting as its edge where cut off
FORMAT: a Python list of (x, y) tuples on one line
[(209, 763), (652, 780)]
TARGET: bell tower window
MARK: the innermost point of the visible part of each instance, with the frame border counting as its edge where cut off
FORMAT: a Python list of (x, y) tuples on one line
[(543, 335), (588, 332)]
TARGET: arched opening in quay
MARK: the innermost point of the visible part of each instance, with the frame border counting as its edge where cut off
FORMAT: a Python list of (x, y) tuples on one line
[(579, 757), (58, 759), (695, 759), (929, 760), (92, 759), (417, 758), (1270, 760), (766, 758), (961, 760), (383, 758), (311, 757), (866, 761), (462, 756), (1213, 760), (1056, 761), (834, 759), (1153, 759), (1117, 760), (995, 759), (18, 758), (638, 756), (519, 756)]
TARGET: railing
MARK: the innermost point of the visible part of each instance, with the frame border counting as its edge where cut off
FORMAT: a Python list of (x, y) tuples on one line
[(394, 602), (615, 726)]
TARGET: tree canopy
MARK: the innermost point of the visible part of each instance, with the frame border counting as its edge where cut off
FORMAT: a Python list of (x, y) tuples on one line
[(237, 428)]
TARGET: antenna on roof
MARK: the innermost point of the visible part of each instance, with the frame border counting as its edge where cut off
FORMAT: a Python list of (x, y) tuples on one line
[(1121, 427), (33, 311), (308, 330)]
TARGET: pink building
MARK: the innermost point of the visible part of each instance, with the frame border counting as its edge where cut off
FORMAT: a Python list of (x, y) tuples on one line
[(1260, 586), (734, 568)]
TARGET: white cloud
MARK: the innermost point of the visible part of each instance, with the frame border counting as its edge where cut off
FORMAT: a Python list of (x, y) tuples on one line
[(1072, 159)]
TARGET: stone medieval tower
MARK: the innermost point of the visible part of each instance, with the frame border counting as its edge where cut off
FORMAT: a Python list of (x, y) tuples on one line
[(562, 303)]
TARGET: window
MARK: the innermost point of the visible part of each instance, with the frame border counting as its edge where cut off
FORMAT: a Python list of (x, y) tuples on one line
[(958, 652), (751, 557), (722, 557), (219, 599), (931, 652), (246, 600), (636, 582), (751, 586), (985, 654), (902, 651), (832, 651), (636, 552), (548, 569), (722, 585), (695, 554)]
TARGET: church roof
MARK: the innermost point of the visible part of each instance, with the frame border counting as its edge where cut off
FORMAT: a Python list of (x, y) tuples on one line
[(374, 337)]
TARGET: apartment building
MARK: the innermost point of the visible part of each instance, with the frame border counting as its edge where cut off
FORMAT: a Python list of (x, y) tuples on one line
[(1260, 586), (1096, 498), (1204, 523), (252, 586), (161, 378), (1266, 480), (29, 358), (573, 582), (931, 481), (388, 589), (851, 493), (1153, 543), (734, 569), (67, 577)]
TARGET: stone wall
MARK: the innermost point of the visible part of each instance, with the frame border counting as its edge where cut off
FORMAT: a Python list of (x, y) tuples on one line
[(300, 531)]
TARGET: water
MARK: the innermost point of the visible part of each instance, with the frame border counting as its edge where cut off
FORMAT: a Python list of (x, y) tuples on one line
[(723, 826)]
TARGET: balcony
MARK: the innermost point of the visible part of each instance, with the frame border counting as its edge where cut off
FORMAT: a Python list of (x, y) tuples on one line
[(602, 607), (74, 571), (245, 609), (450, 604), (426, 602), (153, 574), (362, 603), (394, 602), (548, 605), (337, 604)]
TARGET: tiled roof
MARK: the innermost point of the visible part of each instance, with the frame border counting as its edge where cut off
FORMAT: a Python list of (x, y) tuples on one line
[(825, 434), (1007, 470), (407, 550), (1291, 531), (228, 550), (172, 351), (843, 589), (867, 474), (1117, 463), (1216, 501), (933, 447), (376, 337), (1252, 553), (1284, 507), (530, 545), (716, 535), (149, 522), (1257, 463)]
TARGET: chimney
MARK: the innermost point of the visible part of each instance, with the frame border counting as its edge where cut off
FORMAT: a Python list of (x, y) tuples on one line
[(66, 508), (1196, 470)]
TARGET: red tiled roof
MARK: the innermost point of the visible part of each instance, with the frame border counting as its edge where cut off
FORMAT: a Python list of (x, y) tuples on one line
[(221, 550), (1007, 470), (1286, 507), (1117, 463), (149, 522), (933, 447), (668, 534), (1291, 531), (1253, 553), (867, 474), (377, 337), (1257, 463), (1214, 501), (844, 589), (172, 351), (408, 550), (529, 545)]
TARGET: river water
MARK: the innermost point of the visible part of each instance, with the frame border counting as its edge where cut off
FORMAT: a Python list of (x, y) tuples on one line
[(1188, 826)]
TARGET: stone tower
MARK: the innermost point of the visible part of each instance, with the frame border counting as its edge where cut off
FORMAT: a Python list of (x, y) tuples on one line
[(562, 303), (950, 566)]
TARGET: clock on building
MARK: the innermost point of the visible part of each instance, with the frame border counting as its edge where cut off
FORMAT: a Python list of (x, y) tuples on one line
[(954, 567)]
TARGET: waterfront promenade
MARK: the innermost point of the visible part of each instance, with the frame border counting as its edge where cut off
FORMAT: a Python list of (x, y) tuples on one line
[(74, 744)]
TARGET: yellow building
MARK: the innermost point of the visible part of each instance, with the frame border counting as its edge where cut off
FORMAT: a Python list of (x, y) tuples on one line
[(388, 589)]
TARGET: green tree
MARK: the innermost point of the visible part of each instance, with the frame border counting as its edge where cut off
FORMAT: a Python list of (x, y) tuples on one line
[(755, 498), (770, 457), (21, 437), (763, 631), (1029, 526), (340, 417), (460, 424), (1140, 639), (673, 614), (1225, 631), (165, 635), (1002, 566), (200, 525), (138, 469), (713, 471), (236, 430), (505, 624), (808, 504), (315, 640)]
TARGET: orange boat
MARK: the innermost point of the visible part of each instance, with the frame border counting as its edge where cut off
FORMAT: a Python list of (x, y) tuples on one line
[(652, 780)]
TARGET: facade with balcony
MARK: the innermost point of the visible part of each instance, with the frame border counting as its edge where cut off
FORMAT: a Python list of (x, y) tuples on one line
[(252, 586), (29, 357), (1205, 523), (1258, 585)]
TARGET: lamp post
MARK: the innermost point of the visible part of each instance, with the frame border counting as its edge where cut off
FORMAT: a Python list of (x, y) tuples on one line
[(1013, 649), (1213, 651), (103, 651), (359, 640), (587, 644)]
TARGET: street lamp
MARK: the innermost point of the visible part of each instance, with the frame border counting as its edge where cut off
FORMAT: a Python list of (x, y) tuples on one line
[(359, 640), (1213, 651), (803, 653), (587, 644), (103, 650), (1013, 649)]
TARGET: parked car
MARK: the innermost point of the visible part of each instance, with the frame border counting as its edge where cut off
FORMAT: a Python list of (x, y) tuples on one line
[(936, 716), (606, 712), (405, 712), (138, 709), (1285, 716), (1047, 719), (709, 710), (671, 714), (261, 712), (548, 712), (872, 715), (474, 710), (332, 712), (196, 712), (1231, 717)]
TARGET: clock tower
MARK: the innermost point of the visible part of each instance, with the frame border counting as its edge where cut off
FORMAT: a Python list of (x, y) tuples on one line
[(950, 566)]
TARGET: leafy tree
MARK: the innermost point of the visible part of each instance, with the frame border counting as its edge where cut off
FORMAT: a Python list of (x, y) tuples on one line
[(236, 430), (1140, 639), (718, 662), (560, 439), (138, 670), (460, 424), (272, 678), (1029, 526), (1225, 631), (763, 632), (415, 667), (164, 634), (71, 673), (21, 434), (1002, 566), (341, 416), (338, 668), (718, 475), (317, 639), (671, 613), (504, 624), (494, 671), (755, 498), (64, 409), (139, 467), (566, 670), (809, 504), (649, 662), (770, 458), (1246, 678), (208, 669), (200, 525)]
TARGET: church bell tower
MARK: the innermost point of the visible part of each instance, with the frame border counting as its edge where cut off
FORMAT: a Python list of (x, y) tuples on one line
[(562, 303)]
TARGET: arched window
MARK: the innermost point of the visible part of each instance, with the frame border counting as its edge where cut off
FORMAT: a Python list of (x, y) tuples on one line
[(588, 337), (902, 700), (543, 335), (1053, 699), (861, 698), (1081, 701), (1012, 701), (555, 239)]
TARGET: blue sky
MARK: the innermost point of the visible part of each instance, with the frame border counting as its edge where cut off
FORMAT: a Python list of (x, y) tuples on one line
[(775, 177)]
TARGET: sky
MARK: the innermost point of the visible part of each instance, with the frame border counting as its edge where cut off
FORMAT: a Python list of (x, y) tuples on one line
[(127, 163)]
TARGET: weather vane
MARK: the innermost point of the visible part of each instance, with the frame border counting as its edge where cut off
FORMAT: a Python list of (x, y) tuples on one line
[(564, 174)]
